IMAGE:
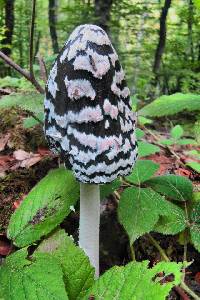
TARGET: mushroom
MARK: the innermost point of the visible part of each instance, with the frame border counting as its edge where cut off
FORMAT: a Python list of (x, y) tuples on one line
[(90, 123)]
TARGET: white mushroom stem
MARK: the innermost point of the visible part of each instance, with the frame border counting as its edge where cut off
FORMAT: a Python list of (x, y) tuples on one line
[(89, 222)]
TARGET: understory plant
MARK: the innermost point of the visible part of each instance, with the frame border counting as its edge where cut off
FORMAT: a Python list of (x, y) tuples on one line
[(164, 204)]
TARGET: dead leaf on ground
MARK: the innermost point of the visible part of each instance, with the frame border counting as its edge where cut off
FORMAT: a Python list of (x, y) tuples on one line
[(3, 141), (26, 159)]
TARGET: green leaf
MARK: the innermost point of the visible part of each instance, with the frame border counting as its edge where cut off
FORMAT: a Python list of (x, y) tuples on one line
[(195, 225), (175, 187), (45, 207), (136, 281), (143, 121), (194, 165), (176, 132), (187, 142), (39, 277), (139, 133), (137, 211), (172, 219), (31, 122), (146, 149), (108, 188), (28, 101), (167, 142), (171, 105), (143, 170), (78, 273)]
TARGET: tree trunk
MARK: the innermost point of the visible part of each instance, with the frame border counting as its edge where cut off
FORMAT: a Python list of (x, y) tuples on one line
[(102, 13), (9, 24), (52, 24), (162, 37), (190, 25)]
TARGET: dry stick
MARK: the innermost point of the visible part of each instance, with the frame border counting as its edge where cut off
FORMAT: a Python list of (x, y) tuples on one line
[(23, 72), (43, 69), (166, 258)]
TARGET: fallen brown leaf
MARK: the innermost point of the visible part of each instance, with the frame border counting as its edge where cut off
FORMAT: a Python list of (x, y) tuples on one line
[(3, 141)]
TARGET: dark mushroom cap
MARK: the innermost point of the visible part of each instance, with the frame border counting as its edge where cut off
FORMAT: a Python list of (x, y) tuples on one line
[(88, 116)]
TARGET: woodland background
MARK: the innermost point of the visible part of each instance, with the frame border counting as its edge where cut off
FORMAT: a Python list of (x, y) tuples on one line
[(158, 41)]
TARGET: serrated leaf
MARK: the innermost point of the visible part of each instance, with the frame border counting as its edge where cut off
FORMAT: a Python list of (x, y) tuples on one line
[(175, 187), (137, 211), (40, 277), (176, 132), (31, 101), (195, 225), (78, 273), (172, 218), (194, 165), (170, 105), (145, 149), (45, 207), (139, 133), (143, 170), (136, 281), (108, 188)]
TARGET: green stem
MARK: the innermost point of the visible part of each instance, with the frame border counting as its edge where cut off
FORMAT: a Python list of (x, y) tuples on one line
[(132, 252), (189, 291), (157, 246)]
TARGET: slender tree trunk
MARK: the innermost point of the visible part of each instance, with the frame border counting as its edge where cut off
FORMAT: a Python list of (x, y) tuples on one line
[(9, 24), (190, 25), (52, 24), (162, 37), (102, 13)]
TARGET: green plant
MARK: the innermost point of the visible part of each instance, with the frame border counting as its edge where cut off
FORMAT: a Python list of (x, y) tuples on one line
[(162, 204), (176, 134), (171, 105)]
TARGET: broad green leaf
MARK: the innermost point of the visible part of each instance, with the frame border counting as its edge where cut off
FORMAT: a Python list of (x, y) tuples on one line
[(137, 211), (176, 132), (136, 281), (78, 273), (139, 133), (45, 207), (193, 153), (175, 187), (145, 149), (108, 188), (194, 165), (30, 121), (195, 225), (187, 142), (31, 101), (143, 170), (197, 3), (37, 277), (172, 218), (171, 105)]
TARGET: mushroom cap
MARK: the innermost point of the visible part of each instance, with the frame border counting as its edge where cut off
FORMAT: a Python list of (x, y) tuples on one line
[(88, 115)]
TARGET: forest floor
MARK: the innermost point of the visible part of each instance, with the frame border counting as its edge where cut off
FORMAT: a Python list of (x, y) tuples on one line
[(25, 159)]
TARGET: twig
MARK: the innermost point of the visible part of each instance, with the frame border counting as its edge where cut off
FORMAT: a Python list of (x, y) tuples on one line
[(23, 72), (32, 27), (166, 258), (164, 146), (181, 292)]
